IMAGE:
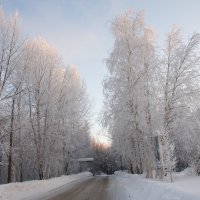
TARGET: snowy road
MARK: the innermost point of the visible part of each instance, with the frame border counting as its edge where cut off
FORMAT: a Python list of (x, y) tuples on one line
[(95, 188), (120, 186), (92, 188)]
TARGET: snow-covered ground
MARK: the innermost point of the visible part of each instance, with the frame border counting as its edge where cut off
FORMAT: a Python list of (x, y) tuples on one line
[(136, 187), (19, 191), (122, 186)]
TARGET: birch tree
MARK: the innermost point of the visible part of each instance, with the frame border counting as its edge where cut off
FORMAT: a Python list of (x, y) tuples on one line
[(43, 108), (127, 90)]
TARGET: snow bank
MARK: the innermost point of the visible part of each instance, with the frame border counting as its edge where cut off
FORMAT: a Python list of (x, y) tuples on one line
[(186, 172), (137, 187), (121, 173), (17, 191)]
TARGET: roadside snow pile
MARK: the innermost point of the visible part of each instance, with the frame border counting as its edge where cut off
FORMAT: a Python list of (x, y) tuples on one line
[(18, 191), (136, 187), (186, 172), (121, 173)]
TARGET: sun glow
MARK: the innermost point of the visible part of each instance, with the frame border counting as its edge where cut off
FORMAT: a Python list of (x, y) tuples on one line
[(101, 138)]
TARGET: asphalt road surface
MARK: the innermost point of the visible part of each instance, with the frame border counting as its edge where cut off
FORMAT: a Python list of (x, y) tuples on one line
[(95, 188)]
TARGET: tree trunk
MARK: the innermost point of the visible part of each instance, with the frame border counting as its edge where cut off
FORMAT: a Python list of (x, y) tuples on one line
[(9, 177), (171, 179)]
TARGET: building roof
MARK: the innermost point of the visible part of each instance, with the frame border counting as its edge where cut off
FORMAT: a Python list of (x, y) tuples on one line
[(85, 159)]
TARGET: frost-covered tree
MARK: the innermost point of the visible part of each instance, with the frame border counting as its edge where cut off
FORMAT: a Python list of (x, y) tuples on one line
[(180, 71), (128, 91), (43, 108), (151, 93)]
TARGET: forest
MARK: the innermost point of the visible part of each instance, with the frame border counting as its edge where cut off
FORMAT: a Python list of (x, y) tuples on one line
[(151, 106), (43, 108), (152, 92)]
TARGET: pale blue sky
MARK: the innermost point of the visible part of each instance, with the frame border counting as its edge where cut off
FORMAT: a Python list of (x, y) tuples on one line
[(80, 29)]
